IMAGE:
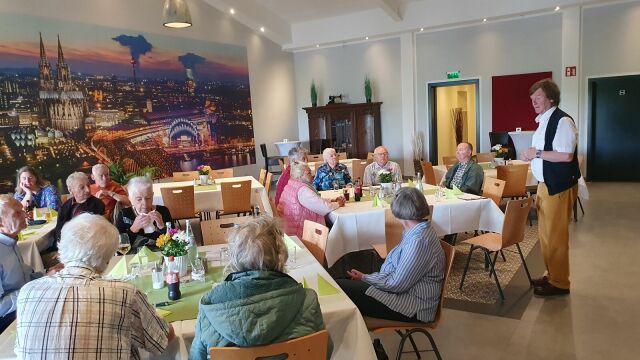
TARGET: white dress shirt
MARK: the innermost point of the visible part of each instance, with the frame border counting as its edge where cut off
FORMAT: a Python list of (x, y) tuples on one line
[(565, 140)]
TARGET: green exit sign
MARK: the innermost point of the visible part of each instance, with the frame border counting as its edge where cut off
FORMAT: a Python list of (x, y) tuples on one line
[(453, 75)]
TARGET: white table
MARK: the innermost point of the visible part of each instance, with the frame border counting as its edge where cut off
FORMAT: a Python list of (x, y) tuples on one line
[(284, 146), (357, 226), (521, 141), (34, 242), (441, 170), (347, 162), (211, 200)]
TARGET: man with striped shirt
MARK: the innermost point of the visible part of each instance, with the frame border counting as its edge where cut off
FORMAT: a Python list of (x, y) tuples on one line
[(77, 314)]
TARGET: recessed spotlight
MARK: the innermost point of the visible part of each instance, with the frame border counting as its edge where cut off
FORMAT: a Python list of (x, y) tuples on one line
[(421, 29), (317, 45), (232, 11), (484, 20), (366, 38), (557, 8), (262, 28)]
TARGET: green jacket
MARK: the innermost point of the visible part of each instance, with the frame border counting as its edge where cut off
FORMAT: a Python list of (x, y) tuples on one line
[(255, 308), (471, 179)]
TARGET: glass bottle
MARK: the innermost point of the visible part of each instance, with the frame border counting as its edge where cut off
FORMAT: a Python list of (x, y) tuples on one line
[(173, 280), (419, 181), (192, 250), (357, 191)]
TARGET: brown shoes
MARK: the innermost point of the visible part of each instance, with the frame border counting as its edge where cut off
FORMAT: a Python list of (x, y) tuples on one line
[(549, 290), (539, 281)]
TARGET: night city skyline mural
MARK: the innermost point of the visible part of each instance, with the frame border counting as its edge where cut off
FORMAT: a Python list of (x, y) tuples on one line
[(73, 95)]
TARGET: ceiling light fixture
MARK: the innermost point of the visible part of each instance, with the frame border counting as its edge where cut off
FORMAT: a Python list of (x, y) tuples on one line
[(557, 8), (262, 28), (175, 14), (484, 20), (317, 45), (421, 29), (366, 38), (232, 11)]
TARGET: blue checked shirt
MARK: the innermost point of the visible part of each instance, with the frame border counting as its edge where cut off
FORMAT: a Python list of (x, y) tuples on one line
[(410, 279), (325, 176)]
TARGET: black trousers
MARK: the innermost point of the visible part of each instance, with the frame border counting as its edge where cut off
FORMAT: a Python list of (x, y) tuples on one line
[(367, 305), (6, 320)]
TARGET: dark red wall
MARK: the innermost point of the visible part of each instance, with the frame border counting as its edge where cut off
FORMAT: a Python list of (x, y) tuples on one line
[(511, 105)]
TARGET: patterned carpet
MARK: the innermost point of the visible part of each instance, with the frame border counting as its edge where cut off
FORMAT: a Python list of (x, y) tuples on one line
[(478, 286)]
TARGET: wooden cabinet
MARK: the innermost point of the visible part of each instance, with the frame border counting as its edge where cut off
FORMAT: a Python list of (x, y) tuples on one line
[(350, 128)]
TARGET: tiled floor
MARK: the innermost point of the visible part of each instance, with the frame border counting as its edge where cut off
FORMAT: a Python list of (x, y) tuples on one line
[(599, 320)]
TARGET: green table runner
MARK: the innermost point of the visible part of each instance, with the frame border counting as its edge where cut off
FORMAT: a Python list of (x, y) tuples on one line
[(206, 187)]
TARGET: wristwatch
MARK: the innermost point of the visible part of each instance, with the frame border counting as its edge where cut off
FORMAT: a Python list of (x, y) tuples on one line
[(538, 154)]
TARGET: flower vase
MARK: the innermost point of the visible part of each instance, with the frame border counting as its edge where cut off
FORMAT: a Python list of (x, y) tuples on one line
[(181, 261), (204, 179), (499, 161), (387, 188)]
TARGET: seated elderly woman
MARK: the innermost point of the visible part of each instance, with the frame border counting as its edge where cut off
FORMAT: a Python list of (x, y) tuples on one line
[(143, 221), (78, 314), (257, 304), (331, 172), (81, 201), (33, 191), (300, 201), (407, 287), (296, 155)]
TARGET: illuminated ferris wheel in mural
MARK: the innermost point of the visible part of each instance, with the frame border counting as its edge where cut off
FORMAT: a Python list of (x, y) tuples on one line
[(183, 133)]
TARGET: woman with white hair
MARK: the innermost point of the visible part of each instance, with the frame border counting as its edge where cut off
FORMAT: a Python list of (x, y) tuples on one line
[(143, 221), (81, 201), (296, 155), (257, 304), (300, 201), (79, 314), (331, 172)]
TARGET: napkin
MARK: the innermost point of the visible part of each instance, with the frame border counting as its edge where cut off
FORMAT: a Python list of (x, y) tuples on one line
[(163, 312), (457, 191), (38, 215), (411, 183), (325, 287), (289, 242), (449, 194), (144, 256), (120, 270), (304, 283), (375, 202)]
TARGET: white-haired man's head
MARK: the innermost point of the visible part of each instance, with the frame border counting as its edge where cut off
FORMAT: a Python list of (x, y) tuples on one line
[(301, 172), (88, 239), (13, 218), (100, 174), (330, 157), (78, 186), (140, 189), (298, 154)]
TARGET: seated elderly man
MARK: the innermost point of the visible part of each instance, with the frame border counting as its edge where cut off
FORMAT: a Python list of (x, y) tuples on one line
[(331, 172), (300, 201), (258, 303), (81, 201), (77, 313), (381, 162), (466, 174), (13, 271), (296, 155), (143, 221), (107, 190)]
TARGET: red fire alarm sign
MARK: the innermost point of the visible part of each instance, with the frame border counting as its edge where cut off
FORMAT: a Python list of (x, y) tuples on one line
[(570, 71)]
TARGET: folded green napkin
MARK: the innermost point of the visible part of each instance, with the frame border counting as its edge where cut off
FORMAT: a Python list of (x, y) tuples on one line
[(144, 256), (485, 165), (449, 194), (325, 287), (120, 270), (457, 191), (375, 202), (206, 187), (411, 183), (289, 242), (304, 283), (163, 313)]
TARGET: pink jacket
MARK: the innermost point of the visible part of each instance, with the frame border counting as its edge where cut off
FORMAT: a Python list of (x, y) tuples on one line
[(292, 212)]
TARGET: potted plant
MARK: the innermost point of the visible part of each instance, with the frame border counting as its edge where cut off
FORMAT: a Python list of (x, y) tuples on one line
[(367, 89), (204, 170), (386, 179), (499, 152), (175, 243), (118, 174), (314, 94)]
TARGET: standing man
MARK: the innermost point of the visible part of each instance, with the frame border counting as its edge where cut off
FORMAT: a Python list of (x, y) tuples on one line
[(554, 162), (107, 190), (381, 162), (466, 174)]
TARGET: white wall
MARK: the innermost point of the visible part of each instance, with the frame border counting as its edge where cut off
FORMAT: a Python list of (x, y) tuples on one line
[(270, 69), (341, 70)]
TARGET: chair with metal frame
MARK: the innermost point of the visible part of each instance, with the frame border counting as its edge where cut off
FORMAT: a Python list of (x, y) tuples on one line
[(315, 158), (493, 189), (267, 182), (216, 231), (406, 330), (515, 220), (185, 175), (428, 175), (449, 160), (236, 198), (342, 156), (392, 233), (269, 160), (181, 202), (309, 347), (485, 157), (314, 238), (221, 173), (263, 175), (357, 169), (516, 178)]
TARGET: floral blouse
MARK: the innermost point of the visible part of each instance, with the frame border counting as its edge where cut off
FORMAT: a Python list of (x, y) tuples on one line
[(325, 176), (46, 197)]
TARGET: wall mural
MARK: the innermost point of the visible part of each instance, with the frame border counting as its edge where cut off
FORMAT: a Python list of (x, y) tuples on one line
[(72, 95)]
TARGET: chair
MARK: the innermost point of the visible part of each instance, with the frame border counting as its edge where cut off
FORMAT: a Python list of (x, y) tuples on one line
[(485, 157), (406, 330), (310, 347), (370, 157), (263, 175), (221, 173), (315, 158), (314, 238), (493, 189), (342, 156), (267, 183), (186, 175), (216, 231), (236, 198), (515, 220), (268, 160), (429, 176), (516, 178), (392, 233), (180, 201), (357, 169), (449, 160)]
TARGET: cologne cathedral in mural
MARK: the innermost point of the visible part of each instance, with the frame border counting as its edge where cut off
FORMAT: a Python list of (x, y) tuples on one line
[(138, 102)]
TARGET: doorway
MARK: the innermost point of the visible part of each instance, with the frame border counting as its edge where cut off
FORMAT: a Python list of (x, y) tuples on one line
[(612, 149), (454, 116)]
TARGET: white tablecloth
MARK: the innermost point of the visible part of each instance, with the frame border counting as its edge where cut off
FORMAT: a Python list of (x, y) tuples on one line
[(441, 170), (284, 147), (34, 242), (357, 226), (211, 200)]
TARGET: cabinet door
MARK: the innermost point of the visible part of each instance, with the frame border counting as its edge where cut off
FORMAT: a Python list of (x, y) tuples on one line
[(342, 131), (367, 132), (318, 132)]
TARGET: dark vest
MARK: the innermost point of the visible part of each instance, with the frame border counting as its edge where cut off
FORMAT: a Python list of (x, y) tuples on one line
[(558, 176)]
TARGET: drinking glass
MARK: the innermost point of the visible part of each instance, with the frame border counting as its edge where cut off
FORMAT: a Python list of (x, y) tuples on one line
[(124, 245), (292, 259), (336, 186), (197, 270), (224, 255), (135, 271), (157, 277)]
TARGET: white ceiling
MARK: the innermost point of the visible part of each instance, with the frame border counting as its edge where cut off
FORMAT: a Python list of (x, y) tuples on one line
[(304, 24)]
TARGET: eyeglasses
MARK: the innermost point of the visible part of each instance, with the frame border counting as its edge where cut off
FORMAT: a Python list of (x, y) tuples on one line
[(382, 154)]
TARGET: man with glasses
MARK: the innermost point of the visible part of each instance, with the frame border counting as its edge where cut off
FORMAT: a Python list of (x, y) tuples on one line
[(381, 162)]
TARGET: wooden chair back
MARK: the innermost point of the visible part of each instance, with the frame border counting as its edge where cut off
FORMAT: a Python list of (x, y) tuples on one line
[(449, 254), (516, 178), (185, 175), (314, 158), (267, 183), (314, 238), (357, 169), (449, 160), (515, 221), (221, 173), (428, 175), (310, 347), (180, 201), (217, 231), (485, 157), (370, 157), (236, 196), (493, 189), (263, 175), (392, 230), (342, 156)]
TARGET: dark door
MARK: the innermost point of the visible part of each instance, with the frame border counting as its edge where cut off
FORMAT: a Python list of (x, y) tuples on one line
[(615, 129)]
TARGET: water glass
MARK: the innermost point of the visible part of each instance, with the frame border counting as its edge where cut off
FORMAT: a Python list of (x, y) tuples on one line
[(291, 260), (197, 270), (224, 256), (336, 186), (135, 271), (157, 277)]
